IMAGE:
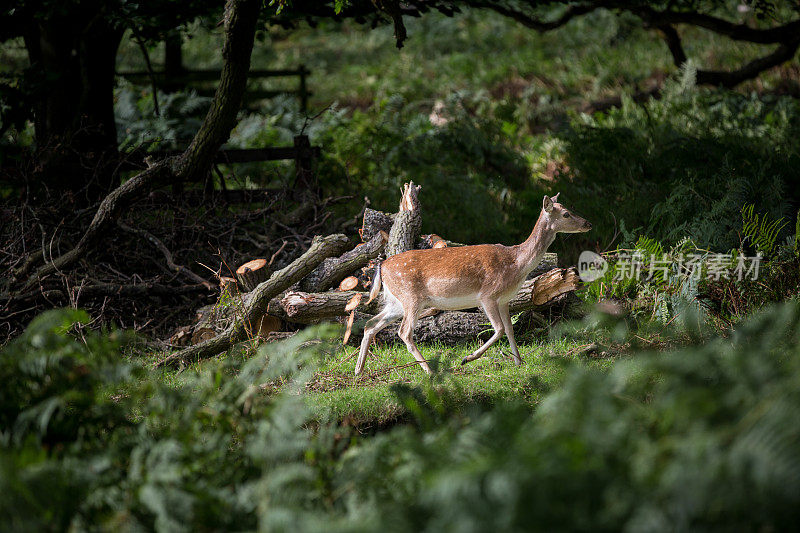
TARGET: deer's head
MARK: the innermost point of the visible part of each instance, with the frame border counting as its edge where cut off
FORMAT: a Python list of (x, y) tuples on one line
[(562, 220)]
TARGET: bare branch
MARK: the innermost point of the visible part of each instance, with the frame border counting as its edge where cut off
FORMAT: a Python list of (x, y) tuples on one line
[(534, 23), (729, 79), (738, 32), (783, 53)]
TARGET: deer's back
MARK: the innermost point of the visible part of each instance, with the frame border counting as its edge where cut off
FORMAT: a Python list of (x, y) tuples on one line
[(452, 278)]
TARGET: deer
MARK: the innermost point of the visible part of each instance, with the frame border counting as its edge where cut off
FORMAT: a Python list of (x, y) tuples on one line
[(463, 277)]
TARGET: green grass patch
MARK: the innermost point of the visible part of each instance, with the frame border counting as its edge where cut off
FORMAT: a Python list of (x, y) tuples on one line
[(370, 398)]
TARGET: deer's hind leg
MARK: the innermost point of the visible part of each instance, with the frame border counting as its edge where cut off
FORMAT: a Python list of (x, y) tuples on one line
[(392, 311), (406, 333)]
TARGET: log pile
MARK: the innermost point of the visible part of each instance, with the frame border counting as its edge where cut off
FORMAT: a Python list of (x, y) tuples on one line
[(327, 285)]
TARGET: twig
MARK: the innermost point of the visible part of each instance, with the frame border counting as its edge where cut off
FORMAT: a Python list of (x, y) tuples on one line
[(272, 259), (166, 253)]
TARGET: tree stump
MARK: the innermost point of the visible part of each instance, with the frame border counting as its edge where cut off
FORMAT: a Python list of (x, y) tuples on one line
[(252, 273), (407, 222)]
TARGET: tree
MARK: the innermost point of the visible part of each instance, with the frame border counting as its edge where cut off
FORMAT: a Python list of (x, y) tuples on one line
[(775, 23), (240, 20), (68, 88)]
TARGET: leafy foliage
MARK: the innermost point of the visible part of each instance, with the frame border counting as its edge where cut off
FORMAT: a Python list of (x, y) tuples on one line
[(181, 114), (760, 230), (686, 164), (705, 437), (467, 167)]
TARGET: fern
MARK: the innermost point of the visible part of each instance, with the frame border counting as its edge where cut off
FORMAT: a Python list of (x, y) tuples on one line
[(760, 230)]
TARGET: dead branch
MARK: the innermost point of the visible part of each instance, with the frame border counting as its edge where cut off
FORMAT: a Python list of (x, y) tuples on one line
[(155, 241), (334, 270), (257, 304)]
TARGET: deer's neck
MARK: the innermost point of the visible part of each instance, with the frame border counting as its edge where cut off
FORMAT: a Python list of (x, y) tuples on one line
[(532, 250)]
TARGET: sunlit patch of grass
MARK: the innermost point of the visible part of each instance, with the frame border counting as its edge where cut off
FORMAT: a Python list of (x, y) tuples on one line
[(336, 391)]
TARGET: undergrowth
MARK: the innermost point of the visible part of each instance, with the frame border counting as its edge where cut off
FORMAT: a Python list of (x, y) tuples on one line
[(702, 437)]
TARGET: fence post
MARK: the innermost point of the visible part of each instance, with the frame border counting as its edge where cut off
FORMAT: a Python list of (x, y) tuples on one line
[(303, 89), (173, 63), (304, 165)]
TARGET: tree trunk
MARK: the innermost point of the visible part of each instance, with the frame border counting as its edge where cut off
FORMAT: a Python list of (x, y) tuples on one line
[(241, 17), (74, 123), (374, 223)]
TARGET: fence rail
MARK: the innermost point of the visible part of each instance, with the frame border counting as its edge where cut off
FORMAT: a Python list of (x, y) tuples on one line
[(303, 154), (185, 78)]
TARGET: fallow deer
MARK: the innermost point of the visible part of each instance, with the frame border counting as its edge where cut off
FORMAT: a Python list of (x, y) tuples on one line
[(485, 275)]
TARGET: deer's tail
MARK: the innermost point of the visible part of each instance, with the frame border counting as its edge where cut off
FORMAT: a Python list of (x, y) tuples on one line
[(376, 285)]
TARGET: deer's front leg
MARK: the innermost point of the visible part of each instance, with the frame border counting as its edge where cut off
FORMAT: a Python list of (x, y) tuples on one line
[(506, 317), (492, 310)]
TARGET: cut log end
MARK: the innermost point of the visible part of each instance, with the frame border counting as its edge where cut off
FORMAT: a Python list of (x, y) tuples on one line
[(554, 283), (353, 302), (252, 273), (349, 327), (228, 286), (349, 283)]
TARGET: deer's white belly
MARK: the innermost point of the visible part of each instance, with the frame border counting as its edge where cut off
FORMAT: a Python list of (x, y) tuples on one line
[(454, 303)]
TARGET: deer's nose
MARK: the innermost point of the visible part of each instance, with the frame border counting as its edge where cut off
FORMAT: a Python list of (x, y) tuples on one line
[(587, 225)]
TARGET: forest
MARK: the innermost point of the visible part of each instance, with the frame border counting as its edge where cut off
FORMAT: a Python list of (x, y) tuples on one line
[(208, 321)]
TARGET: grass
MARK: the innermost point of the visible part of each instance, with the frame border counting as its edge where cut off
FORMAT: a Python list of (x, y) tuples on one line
[(337, 392), (334, 392), (590, 58)]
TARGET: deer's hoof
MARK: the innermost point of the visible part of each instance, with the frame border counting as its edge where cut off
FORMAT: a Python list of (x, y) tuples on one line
[(464, 361)]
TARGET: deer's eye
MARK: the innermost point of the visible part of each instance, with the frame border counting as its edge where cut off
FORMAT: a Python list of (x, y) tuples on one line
[(566, 215)]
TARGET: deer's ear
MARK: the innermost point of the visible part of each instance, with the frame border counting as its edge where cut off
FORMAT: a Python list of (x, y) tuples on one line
[(555, 198), (547, 204)]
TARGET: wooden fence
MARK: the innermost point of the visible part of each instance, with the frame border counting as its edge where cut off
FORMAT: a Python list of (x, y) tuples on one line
[(303, 154), (202, 80)]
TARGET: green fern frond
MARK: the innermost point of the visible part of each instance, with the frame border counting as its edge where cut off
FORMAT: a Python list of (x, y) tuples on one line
[(760, 230)]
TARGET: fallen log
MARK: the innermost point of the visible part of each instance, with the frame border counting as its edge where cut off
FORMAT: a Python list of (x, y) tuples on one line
[(544, 288), (310, 308), (375, 222), (407, 222), (334, 269), (454, 327), (431, 241), (548, 263), (536, 294), (256, 305)]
